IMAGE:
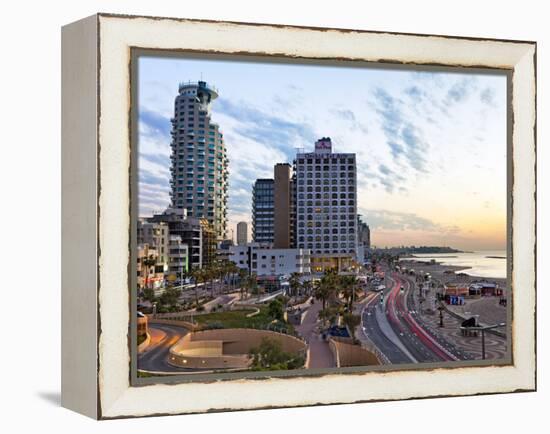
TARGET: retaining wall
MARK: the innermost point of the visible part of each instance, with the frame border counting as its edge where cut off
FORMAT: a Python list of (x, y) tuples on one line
[(226, 348)]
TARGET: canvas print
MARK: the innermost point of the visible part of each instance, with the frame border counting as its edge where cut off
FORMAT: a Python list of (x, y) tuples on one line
[(298, 216)]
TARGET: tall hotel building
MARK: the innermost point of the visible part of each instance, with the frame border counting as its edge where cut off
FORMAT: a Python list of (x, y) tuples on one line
[(263, 212), (326, 206), (199, 159)]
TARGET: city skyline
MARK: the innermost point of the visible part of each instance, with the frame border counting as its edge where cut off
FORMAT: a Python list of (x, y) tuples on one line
[(407, 128)]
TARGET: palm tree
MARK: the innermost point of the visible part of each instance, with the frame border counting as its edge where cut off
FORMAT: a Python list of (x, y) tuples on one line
[(249, 284), (232, 270), (349, 289), (294, 283), (328, 315), (148, 262), (307, 286), (351, 321), (243, 274), (210, 275), (199, 276), (224, 271), (324, 288)]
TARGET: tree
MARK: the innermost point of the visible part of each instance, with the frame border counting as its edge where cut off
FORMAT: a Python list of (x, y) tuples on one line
[(243, 274), (307, 287), (270, 356), (324, 288), (251, 283), (149, 295), (328, 316), (351, 321), (349, 289), (294, 283), (170, 296), (210, 275), (275, 309), (199, 276), (148, 262), (232, 270)]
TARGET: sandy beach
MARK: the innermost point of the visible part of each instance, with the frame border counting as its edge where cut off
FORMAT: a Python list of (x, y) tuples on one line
[(487, 308), (441, 273)]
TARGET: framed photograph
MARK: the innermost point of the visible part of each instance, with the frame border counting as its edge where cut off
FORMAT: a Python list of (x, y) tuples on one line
[(262, 216)]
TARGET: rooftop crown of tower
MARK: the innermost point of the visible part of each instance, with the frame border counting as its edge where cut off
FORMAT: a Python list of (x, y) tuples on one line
[(202, 92)]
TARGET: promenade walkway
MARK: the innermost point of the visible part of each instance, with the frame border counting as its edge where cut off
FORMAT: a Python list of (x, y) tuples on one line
[(320, 355)]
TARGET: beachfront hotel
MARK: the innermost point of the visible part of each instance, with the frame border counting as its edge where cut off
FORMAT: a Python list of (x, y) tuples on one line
[(199, 159), (326, 206)]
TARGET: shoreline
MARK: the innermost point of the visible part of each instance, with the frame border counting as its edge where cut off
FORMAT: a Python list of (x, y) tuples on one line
[(443, 273)]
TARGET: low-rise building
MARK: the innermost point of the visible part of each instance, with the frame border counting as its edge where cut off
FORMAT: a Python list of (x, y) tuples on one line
[(178, 254), (156, 235), (150, 272), (189, 229), (270, 262)]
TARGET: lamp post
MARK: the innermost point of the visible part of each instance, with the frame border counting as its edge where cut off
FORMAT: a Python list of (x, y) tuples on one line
[(440, 308), (483, 329)]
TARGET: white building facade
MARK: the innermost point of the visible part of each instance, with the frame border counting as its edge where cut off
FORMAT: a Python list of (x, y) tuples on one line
[(178, 256), (270, 262), (326, 206)]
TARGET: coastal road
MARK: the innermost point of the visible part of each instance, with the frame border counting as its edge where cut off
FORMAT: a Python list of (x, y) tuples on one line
[(385, 340), (155, 357), (394, 327), (424, 346)]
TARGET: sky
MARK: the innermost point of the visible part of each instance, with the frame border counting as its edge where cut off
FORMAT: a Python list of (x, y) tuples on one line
[(430, 146)]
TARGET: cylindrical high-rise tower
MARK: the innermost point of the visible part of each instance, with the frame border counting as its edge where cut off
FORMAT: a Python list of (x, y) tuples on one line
[(199, 159)]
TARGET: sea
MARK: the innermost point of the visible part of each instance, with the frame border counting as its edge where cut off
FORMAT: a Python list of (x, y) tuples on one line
[(486, 263)]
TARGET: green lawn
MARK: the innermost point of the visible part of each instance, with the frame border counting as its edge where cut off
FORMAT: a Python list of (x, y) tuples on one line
[(237, 319)]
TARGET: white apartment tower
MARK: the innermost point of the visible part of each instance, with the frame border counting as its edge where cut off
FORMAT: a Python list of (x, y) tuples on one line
[(199, 159), (326, 206)]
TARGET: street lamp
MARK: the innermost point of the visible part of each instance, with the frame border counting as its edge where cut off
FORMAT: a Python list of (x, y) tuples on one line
[(440, 308), (483, 329)]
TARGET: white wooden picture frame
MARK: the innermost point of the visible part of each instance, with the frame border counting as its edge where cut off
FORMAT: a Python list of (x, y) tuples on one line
[(96, 146)]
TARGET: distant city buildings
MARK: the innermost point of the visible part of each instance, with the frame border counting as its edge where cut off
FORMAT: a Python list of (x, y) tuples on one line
[(242, 233), (263, 211), (304, 219), (363, 239), (199, 161), (363, 232)]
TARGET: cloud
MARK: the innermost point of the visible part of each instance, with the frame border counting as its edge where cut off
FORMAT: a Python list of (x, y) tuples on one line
[(154, 124), (387, 220), (272, 130), (487, 96), (150, 178), (404, 139), (350, 117), (460, 90), (415, 93), (158, 159)]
